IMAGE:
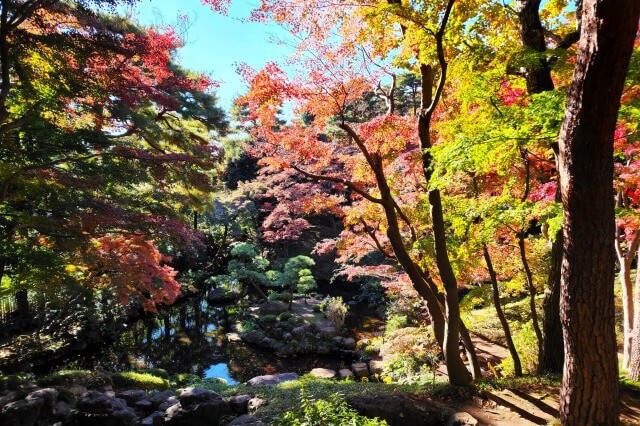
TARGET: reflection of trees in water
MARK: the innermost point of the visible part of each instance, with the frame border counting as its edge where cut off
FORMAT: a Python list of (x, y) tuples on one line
[(186, 338)]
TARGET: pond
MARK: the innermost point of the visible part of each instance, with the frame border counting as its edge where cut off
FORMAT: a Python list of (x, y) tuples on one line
[(189, 337)]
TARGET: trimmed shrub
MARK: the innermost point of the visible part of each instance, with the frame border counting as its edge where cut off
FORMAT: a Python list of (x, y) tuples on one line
[(135, 380)]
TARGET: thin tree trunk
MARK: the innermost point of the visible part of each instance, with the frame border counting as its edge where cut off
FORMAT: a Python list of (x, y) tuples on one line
[(633, 371), (552, 357), (532, 293), (22, 302), (625, 259), (589, 393), (517, 365), (532, 36)]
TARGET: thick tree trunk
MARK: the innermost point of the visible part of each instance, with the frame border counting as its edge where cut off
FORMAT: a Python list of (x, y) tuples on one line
[(589, 393), (517, 365), (532, 293), (22, 302)]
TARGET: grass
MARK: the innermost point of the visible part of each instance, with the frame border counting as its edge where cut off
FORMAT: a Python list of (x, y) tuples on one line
[(136, 380), (75, 377), (285, 396)]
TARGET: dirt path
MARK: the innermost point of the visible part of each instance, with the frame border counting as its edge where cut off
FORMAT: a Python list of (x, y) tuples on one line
[(515, 407)]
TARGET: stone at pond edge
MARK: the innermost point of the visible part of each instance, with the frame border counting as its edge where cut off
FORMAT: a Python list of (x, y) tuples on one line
[(97, 409), (400, 410), (360, 369), (161, 397), (254, 337), (49, 396), (132, 396), (240, 404), (255, 404), (170, 402), (189, 396), (323, 373), (272, 379), (349, 343), (21, 413), (246, 420), (197, 414), (154, 419)]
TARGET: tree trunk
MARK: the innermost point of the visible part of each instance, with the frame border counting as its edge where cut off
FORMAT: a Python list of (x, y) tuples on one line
[(627, 310), (589, 393), (532, 294), (22, 302), (552, 357), (633, 371), (538, 77), (517, 365)]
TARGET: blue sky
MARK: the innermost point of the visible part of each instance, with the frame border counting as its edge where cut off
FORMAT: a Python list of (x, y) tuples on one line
[(216, 42)]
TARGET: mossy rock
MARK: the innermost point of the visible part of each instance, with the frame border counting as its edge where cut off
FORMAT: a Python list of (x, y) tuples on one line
[(137, 380), (158, 372), (270, 318), (75, 377)]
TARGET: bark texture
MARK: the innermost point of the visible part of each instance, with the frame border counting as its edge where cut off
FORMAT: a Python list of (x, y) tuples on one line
[(634, 366), (533, 38), (589, 393)]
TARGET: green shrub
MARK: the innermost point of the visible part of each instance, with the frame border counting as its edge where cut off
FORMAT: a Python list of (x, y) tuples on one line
[(285, 316), (411, 355), (395, 322), (333, 411), (317, 308), (527, 346), (158, 372), (75, 377), (132, 379), (186, 379), (269, 318)]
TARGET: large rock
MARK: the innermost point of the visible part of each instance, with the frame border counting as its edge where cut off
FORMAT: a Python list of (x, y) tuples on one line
[(323, 373), (255, 404), (345, 374), (272, 379), (253, 337), (239, 404), (246, 420), (349, 343), (161, 397), (376, 367), (97, 409), (360, 369), (400, 409), (197, 407), (49, 396), (462, 418), (21, 413), (154, 419), (133, 396)]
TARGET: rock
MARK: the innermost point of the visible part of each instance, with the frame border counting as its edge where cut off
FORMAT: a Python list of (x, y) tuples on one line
[(300, 332), (376, 367), (345, 374), (328, 331), (400, 409), (462, 418), (349, 343), (233, 338), (273, 307), (338, 341), (267, 342), (154, 419), (190, 396), (170, 402), (360, 369), (21, 413), (62, 409), (253, 337), (144, 405), (9, 397), (246, 420), (240, 404), (278, 346), (272, 379), (132, 396), (160, 397), (49, 396), (97, 409), (323, 373), (78, 390), (255, 403)]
